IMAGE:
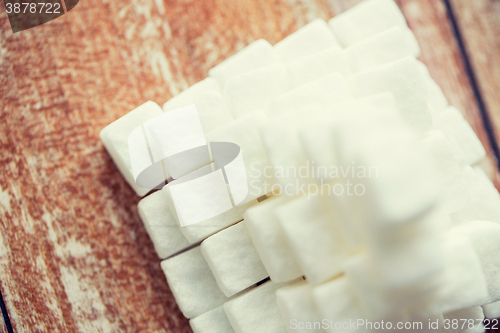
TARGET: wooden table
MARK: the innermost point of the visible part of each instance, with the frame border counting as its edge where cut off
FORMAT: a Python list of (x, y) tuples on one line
[(74, 256)]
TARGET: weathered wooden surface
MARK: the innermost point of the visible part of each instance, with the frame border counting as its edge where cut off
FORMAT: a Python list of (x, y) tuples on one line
[(74, 256), (479, 23)]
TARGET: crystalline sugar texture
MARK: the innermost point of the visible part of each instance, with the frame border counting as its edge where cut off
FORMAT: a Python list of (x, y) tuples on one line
[(337, 301), (368, 19), (212, 109), (192, 283), (314, 37), (213, 321), (256, 55), (312, 236), (187, 96), (404, 79), (115, 138), (270, 241), (256, 311), (485, 238), (161, 225), (451, 122), (252, 91), (233, 259), (296, 304), (326, 91), (381, 49), (245, 133), (316, 65)]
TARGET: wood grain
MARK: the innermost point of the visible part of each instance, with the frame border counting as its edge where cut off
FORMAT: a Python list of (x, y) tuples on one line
[(479, 24), (74, 256)]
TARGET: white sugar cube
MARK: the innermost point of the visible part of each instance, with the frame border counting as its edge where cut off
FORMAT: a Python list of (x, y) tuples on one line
[(233, 259), (245, 133), (115, 138), (435, 98), (211, 106), (398, 183), (313, 37), (213, 321), (252, 91), (368, 19), (451, 122), (468, 198), (197, 232), (468, 320), (187, 96), (326, 91), (313, 237), (296, 304), (192, 283), (463, 282), (492, 310), (338, 302), (270, 241), (281, 139), (256, 55), (256, 310), (316, 65), (404, 79), (443, 155), (485, 238), (161, 226), (381, 49), (409, 252)]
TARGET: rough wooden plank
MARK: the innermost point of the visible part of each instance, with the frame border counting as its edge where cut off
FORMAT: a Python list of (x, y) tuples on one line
[(74, 256), (479, 25), (440, 52)]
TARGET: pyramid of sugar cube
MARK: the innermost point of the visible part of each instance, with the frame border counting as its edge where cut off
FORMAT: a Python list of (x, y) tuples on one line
[(365, 200)]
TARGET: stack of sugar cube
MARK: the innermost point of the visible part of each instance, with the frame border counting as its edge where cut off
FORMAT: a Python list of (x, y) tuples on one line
[(365, 198)]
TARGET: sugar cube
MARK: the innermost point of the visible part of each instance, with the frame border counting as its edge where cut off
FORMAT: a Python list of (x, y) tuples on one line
[(256, 55), (270, 241), (492, 310), (188, 95), (252, 91), (381, 49), (211, 106), (463, 282), (281, 140), (451, 122), (213, 321), (296, 304), (256, 310), (366, 20), (192, 283), (402, 78), (245, 133), (197, 232), (161, 226), (485, 237), (233, 259), (316, 65), (338, 302), (435, 98), (313, 237), (115, 138), (311, 38), (326, 91)]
